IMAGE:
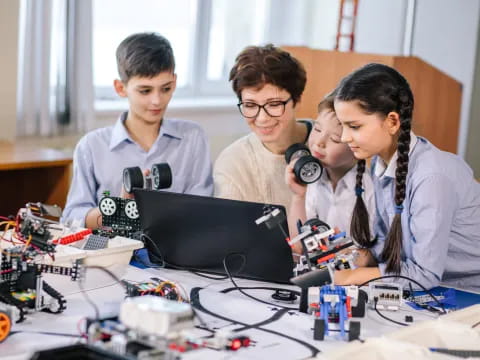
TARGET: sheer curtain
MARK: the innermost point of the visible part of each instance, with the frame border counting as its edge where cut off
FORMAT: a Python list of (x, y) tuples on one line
[(55, 90)]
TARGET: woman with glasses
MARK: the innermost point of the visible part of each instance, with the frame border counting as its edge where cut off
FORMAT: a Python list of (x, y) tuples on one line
[(269, 83)]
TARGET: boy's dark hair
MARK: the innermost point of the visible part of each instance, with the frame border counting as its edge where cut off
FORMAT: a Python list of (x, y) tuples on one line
[(381, 89), (256, 66), (145, 55)]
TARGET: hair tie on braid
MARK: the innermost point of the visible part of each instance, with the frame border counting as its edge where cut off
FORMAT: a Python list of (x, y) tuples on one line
[(398, 209), (359, 190)]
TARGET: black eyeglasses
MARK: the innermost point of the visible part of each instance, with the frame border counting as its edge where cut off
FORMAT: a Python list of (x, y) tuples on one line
[(272, 108)]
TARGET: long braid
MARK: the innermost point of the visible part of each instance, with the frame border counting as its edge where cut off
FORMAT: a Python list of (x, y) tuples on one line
[(392, 251), (359, 227), (380, 89)]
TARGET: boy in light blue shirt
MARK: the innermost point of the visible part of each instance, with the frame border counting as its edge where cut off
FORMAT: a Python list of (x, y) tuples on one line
[(142, 136)]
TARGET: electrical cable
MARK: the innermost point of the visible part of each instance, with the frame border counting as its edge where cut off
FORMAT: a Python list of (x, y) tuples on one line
[(43, 333), (409, 279), (198, 272), (243, 292), (84, 293), (475, 325), (195, 298), (278, 314), (375, 300), (422, 306), (259, 288)]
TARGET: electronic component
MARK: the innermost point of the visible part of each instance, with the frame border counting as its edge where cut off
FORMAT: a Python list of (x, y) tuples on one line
[(71, 238), (272, 217), (160, 177), (166, 289), (151, 327), (386, 296), (95, 242), (307, 169), (156, 316), (284, 295), (22, 286), (119, 217), (333, 307)]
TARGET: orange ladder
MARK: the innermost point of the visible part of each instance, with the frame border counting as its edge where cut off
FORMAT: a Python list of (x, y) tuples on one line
[(342, 18)]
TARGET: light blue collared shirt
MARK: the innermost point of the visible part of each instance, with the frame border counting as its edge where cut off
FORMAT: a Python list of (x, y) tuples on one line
[(101, 155), (440, 219)]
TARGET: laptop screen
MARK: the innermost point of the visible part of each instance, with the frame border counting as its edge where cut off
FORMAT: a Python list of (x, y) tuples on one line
[(198, 233)]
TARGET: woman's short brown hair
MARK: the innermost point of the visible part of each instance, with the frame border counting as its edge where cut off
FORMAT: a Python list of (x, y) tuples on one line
[(256, 66)]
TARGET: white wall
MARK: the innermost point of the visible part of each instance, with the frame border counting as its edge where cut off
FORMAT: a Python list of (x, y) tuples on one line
[(380, 26), (446, 35), (322, 17), (473, 154)]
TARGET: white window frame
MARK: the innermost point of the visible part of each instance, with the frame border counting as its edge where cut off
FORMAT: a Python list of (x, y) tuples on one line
[(198, 87)]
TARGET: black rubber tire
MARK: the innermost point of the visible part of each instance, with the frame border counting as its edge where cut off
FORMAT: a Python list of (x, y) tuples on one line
[(354, 331), (161, 176), (359, 310), (319, 329), (318, 223), (296, 151), (308, 169), (132, 178)]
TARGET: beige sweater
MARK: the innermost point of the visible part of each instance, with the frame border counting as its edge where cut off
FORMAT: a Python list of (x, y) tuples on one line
[(246, 170)]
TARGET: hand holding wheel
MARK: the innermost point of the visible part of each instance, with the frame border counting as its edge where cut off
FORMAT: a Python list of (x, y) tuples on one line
[(307, 168)]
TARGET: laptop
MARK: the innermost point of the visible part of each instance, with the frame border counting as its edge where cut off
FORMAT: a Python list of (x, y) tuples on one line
[(198, 232)]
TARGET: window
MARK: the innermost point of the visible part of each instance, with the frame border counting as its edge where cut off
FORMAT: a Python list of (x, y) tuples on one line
[(173, 19), (206, 35)]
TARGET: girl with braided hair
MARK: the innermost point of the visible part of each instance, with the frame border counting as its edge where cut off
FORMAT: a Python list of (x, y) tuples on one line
[(427, 222), (334, 196)]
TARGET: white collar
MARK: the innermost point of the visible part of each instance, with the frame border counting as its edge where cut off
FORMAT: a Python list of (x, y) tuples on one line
[(381, 168), (349, 178)]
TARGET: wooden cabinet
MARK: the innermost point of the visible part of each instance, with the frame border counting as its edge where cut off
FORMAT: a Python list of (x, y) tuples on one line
[(437, 95), (29, 174)]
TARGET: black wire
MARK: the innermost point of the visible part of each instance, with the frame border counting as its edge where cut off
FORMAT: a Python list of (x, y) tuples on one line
[(195, 298), (412, 298), (375, 300), (198, 272), (89, 301), (202, 322), (85, 295), (43, 333), (475, 325), (276, 316), (143, 235), (259, 288), (243, 292), (409, 279)]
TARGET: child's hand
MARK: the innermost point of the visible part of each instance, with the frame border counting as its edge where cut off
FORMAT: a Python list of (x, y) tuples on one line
[(124, 194), (342, 277), (291, 180)]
